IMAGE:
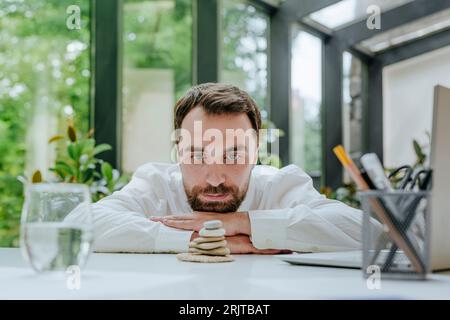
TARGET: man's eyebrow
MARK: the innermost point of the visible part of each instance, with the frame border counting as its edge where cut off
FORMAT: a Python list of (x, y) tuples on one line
[(193, 149)]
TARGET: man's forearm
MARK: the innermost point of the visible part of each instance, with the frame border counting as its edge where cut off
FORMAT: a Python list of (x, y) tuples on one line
[(242, 221), (234, 223)]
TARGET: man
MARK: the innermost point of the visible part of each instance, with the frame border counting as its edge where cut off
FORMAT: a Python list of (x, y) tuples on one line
[(263, 209)]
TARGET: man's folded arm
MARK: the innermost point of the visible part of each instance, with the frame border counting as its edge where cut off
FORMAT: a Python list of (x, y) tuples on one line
[(121, 223), (126, 231), (299, 218), (332, 227)]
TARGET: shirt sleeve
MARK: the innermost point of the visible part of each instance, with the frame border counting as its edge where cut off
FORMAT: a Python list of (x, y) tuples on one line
[(121, 222), (299, 218)]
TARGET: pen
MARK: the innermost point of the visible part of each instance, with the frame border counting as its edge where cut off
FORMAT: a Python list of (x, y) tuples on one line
[(392, 229)]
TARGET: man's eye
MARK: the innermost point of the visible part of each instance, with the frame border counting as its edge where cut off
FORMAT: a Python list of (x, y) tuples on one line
[(197, 156), (233, 156)]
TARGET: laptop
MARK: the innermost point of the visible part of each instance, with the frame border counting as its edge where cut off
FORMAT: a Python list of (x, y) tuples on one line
[(438, 208), (342, 259)]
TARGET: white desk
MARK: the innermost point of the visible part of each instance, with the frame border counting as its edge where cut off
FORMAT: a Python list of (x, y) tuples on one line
[(160, 276)]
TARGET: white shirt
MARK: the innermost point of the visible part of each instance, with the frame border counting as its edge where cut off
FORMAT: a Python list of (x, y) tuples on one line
[(285, 212)]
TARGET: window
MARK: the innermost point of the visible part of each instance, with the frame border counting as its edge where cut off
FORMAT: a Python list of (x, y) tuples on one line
[(346, 12), (157, 69), (306, 99), (352, 107), (44, 80), (244, 50), (408, 32)]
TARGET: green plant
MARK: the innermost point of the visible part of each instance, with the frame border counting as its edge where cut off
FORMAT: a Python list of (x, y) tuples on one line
[(419, 163), (266, 140), (345, 194), (36, 65), (77, 162), (419, 150)]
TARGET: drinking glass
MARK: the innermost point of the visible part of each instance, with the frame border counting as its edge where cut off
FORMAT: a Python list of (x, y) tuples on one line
[(56, 226)]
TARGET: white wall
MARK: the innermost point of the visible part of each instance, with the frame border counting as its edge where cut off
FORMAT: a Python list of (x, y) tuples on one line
[(42, 125), (148, 117), (408, 103)]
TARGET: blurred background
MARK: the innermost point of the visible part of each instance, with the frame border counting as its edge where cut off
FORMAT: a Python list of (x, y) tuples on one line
[(324, 72)]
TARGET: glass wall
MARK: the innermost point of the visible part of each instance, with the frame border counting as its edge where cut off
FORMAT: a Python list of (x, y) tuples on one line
[(352, 106), (243, 50), (157, 69), (44, 82), (306, 99)]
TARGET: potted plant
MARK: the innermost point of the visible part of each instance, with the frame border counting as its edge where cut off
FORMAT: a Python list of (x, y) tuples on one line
[(77, 162)]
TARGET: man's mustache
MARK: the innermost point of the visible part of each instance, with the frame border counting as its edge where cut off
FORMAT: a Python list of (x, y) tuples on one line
[(226, 206), (220, 189)]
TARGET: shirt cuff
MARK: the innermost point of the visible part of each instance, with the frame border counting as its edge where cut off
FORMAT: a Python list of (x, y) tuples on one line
[(269, 228), (171, 240)]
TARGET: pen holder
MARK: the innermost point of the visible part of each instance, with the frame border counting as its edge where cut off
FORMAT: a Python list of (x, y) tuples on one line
[(383, 252)]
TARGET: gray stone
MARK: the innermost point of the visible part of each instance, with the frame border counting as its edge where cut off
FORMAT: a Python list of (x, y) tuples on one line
[(213, 252), (212, 233), (209, 239), (194, 257), (212, 224), (208, 245)]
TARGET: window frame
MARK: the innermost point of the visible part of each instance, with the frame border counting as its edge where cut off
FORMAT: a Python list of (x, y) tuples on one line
[(106, 75)]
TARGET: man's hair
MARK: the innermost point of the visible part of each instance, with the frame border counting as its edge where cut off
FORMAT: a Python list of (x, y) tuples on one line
[(216, 99)]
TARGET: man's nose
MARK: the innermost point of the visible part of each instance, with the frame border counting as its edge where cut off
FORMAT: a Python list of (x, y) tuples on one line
[(214, 176)]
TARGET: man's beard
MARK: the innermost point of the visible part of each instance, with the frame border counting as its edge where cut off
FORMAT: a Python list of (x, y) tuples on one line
[(231, 205)]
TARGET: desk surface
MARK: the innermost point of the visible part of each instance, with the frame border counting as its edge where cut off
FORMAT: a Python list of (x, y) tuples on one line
[(162, 276)]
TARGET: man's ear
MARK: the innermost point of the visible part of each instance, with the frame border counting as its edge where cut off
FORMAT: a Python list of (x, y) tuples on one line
[(174, 154), (181, 139)]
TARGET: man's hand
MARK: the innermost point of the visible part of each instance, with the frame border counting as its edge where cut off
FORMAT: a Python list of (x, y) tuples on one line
[(241, 244), (234, 223), (194, 235)]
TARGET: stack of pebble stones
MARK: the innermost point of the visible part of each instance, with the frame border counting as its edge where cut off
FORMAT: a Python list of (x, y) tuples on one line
[(210, 246)]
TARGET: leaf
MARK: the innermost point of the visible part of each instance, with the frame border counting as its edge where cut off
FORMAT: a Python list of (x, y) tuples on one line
[(64, 167), (55, 138), (101, 148), (88, 146), (37, 177), (416, 147), (419, 153), (107, 171), (80, 144), (71, 150), (327, 191), (87, 176), (90, 133), (71, 134), (23, 180), (58, 172), (97, 175)]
